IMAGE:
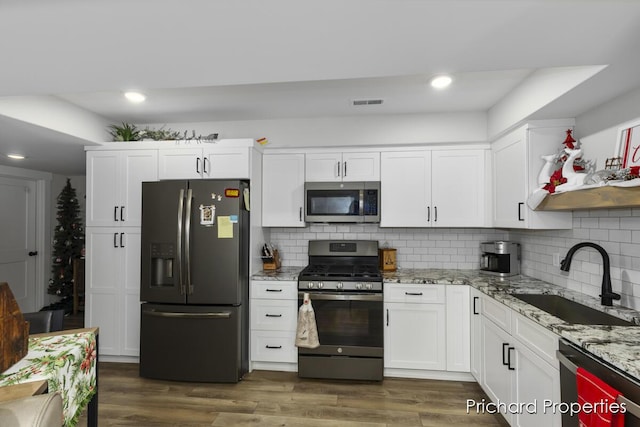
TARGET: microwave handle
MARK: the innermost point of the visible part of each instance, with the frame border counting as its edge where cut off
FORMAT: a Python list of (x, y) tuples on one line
[(361, 203)]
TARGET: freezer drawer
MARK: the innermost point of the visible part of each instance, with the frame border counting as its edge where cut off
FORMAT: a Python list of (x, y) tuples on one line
[(193, 343)]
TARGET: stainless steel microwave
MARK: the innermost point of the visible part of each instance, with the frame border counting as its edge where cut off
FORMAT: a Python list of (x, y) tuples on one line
[(342, 201)]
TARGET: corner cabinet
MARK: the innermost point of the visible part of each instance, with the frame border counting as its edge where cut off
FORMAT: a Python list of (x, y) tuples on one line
[(434, 188), (517, 162), (283, 190), (347, 166)]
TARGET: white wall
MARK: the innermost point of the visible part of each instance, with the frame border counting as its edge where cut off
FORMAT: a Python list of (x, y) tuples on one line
[(349, 131)]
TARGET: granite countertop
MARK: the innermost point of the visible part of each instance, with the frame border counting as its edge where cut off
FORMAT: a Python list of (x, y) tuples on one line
[(283, 273), (617, 345)]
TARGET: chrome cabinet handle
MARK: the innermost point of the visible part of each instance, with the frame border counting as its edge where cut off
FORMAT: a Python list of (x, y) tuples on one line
[(300, 213), (198, 165), (435, 214), (121, 213), (428, 213), (115, 213), (273, 315), (204, 164), (273, 347), (115, 240), (345, 169), (416, 294), (121, 237), (387, 317), (475, 299), (273, 290)]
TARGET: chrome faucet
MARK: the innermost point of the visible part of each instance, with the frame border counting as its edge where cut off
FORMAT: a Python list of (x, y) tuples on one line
[(607, 296)]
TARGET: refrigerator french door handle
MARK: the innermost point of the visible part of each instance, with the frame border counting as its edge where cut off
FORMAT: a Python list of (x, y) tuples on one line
[(179, 240), (187, 241), (174, 315)]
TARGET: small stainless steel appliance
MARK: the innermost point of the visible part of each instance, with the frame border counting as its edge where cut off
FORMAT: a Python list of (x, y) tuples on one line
[(342, 201), (345, 287), (501, 258)]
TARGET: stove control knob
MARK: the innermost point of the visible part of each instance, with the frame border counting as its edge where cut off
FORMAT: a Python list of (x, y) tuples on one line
[(369, 286), (320, 285), (339, 285), (358, 286), (310, 285)]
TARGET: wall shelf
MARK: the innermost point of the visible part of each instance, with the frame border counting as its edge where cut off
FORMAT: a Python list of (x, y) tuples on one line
[(592, 198)]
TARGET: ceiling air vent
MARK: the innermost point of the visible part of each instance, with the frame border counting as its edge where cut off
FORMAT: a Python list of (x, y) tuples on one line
[(357, 102)]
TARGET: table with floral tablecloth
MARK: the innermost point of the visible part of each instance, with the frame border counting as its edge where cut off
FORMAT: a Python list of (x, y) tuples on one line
[(67, 361)]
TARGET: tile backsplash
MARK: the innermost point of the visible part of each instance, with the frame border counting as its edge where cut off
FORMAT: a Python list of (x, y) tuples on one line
[(616, 230), (455, 248)]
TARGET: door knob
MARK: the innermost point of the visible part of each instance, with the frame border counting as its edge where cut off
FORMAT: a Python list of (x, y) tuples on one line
[(33, 253)]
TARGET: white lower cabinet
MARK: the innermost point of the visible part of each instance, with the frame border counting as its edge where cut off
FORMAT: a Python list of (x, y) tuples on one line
[(112, 292), (415, 332), (273, 311), (518, 366), (475, 307)]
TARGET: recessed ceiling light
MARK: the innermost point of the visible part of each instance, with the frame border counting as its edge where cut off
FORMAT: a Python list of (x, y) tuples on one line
[(135, 97), (16, 156), (440, 82)]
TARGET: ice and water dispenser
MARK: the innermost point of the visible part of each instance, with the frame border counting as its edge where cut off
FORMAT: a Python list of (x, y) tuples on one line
[(162, 259)]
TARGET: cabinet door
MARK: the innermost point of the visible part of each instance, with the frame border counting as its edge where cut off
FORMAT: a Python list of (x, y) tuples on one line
[(180, 164), (137, 167), (112, 290), (458, 336), (103, 182), (415, 336), (130, 298), (509, 180), (225, 163), (534, 380), (323, 167), (361, 166), (458, 188), (475, 308), (283, 190), (405, 189), (495, 371), (103, 286)]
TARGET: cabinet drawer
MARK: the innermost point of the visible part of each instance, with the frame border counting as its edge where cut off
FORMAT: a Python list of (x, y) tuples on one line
[(273, 346), (274, 289), (499, 313), (424, 294), (541, 341), (273, 315)]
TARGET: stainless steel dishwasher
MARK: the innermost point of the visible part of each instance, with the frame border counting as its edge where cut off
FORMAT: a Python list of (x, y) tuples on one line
[(570, 357)]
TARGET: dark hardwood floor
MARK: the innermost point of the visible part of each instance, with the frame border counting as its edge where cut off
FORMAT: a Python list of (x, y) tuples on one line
[(266, 398)]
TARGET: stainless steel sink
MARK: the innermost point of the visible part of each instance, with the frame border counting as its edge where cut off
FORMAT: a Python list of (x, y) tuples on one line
[(571, 311)]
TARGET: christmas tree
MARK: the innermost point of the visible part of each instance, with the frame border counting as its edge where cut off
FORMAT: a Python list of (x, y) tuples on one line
[(68, 242)]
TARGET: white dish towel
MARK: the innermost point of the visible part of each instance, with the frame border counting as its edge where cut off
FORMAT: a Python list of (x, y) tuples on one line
[(307, 331)]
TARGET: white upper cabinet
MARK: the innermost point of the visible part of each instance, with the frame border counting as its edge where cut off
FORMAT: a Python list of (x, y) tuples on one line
[(114, 185), (433, 188), (347, 166), (517, 162), (283, 190), (210, 162)]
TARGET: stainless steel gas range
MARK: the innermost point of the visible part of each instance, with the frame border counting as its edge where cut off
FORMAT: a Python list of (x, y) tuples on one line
[(345, 287)]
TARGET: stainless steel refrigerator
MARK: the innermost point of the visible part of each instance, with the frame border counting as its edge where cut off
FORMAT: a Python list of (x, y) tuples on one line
[(195, 280)]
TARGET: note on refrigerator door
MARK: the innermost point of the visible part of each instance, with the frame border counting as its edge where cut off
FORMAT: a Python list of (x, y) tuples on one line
[(225, 227)]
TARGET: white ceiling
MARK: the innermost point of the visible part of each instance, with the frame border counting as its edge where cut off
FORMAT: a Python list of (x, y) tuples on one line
[(218, 60)]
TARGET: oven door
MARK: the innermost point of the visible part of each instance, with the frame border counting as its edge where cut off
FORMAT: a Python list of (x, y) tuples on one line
[(349, 324)]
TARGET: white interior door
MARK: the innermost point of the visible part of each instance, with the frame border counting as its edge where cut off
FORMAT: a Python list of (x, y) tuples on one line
[(18, 231)]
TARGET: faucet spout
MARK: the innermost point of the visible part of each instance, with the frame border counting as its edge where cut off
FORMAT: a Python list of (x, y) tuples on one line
[(607, 295)]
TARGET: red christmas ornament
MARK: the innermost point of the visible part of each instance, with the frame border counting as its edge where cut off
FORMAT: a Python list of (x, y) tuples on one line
[(569, 140)]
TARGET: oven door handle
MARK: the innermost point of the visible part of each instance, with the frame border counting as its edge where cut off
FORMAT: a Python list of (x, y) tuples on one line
[(326, 296)]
